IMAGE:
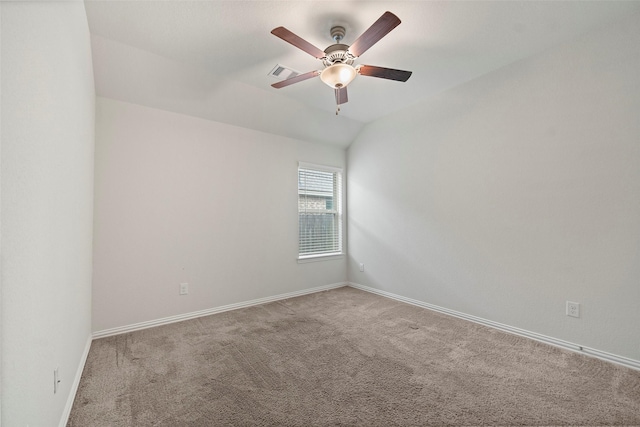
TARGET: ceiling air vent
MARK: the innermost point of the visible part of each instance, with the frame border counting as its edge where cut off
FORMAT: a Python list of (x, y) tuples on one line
[(282, 72)]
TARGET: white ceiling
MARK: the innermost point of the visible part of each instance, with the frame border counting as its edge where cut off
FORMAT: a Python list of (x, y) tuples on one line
[(211, 59)]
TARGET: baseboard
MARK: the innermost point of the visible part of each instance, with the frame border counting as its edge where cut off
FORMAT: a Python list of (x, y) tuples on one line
[(603, 355), (209, 311), (76, 383)]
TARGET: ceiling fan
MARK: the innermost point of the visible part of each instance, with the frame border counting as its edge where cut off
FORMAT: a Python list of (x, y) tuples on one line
[(338, 58)]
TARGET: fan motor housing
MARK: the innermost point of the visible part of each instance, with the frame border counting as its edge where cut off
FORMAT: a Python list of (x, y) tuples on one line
[(338, 54)]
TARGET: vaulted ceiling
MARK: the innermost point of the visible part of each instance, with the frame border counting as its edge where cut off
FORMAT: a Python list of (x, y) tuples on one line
[(212, 59)]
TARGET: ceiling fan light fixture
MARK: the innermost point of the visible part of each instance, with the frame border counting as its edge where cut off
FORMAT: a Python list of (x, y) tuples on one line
[(338, 75)]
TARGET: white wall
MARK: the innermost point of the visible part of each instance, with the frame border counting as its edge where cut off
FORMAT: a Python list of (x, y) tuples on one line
[(48, 106), (1, 339), (509, 195), (183, 199)]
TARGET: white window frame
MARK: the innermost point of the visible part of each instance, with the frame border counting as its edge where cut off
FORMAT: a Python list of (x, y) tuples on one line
[(338, 201)]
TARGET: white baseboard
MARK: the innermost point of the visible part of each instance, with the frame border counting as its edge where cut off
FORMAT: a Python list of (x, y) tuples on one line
[(76, 383), (620, 360), (209, 311)]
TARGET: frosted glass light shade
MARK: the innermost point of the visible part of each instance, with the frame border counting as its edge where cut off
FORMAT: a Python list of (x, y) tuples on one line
[(338, 75)]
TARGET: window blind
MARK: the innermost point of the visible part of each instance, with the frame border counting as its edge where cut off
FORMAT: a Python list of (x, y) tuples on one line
[(319, 211)]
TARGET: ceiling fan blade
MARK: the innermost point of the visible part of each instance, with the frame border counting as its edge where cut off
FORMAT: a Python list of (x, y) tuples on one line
[(387, 22), (384, 73), (298, 42), (341, 95), (296, 79)]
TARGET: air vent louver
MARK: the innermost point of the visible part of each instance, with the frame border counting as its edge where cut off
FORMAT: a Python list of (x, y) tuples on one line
[(282, 72)]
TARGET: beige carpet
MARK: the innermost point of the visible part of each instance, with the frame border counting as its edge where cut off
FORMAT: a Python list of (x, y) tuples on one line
[(344, 357)]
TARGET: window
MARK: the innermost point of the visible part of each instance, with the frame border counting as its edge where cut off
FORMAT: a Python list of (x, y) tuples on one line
[(319, 211)]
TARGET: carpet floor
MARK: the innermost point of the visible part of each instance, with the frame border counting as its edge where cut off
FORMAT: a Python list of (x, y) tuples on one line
[(344, 357)]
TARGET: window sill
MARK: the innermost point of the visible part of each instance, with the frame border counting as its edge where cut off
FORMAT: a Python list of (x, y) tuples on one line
[(323, 257)]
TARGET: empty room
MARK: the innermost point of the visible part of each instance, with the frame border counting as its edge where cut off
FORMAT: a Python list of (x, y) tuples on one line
[(314, 213)]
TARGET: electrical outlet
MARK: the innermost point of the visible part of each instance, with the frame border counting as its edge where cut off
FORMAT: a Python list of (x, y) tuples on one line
[(361, 267), (184, 288), (573, 309), (56, 380)]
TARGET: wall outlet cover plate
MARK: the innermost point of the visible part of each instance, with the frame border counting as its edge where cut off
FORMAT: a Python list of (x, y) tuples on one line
[(573, 309)]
